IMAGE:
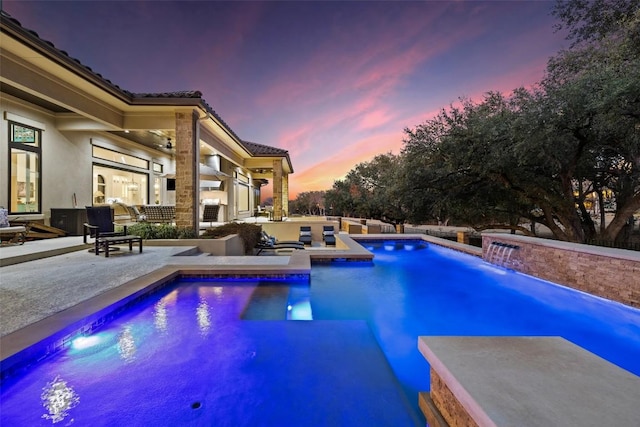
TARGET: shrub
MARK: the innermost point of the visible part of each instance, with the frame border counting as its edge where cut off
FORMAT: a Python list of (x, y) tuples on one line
[(148, 230), (248, 233)]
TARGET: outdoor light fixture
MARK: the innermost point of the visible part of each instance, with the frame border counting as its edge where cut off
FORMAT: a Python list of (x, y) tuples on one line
[(169, 145)]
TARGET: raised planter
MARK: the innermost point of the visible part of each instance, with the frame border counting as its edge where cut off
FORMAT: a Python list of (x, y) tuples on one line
[(229, 245)]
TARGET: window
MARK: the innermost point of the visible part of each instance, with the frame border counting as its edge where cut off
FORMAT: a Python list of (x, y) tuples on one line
[(99, 193), (124, 159), (119, 186), (24, 169), (243, 197)]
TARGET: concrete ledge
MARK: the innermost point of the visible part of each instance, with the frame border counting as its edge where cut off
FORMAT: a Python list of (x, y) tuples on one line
[(228, 245), (290, 230), (531, 382), (461, 247), (346, 248)]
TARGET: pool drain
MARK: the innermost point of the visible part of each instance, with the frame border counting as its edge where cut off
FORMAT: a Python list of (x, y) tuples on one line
[(196, 405)]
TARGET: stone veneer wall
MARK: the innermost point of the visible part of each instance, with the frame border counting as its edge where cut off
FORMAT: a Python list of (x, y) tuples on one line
[(186, 170), (446, 402), (608, 273)]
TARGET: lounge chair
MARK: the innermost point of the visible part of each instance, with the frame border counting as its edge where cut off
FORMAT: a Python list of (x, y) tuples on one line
[(328, 235), (269, 243), (210, 214), (266, 238), (305, 235), (17, 233), (101, 227)]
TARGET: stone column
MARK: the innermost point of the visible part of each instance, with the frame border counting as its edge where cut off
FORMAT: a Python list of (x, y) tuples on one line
[(277, 190), (187, 170), (285, 195)]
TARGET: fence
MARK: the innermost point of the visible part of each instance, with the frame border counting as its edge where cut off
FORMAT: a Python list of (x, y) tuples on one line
[(631, 246)]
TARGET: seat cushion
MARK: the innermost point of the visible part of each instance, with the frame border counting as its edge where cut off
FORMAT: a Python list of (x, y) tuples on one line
[(4, 218)]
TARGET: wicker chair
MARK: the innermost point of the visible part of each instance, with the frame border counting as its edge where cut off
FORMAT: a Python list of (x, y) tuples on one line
[(210, 214)]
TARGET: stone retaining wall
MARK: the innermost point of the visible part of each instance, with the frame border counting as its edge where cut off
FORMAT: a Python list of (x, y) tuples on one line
[(606, 272)]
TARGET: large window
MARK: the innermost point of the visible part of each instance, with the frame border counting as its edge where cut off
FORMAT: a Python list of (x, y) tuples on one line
[(119, 186), (124, 159), (243, 192), (24, 168)]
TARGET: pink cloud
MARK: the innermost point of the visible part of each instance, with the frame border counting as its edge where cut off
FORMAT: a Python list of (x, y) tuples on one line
[(321, 175), (377, 66), (375, 119)]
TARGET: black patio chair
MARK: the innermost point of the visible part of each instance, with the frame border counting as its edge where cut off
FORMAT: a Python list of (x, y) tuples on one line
[(305, 235), (100, 224), (328, 235)]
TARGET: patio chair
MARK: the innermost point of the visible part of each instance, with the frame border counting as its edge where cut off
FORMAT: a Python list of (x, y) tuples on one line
[(266, 238), (101, 227), (328, 235), (269, 243), (210, 214), (100, 222), (305, 235)]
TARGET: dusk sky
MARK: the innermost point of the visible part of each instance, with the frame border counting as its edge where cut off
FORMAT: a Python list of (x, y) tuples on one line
[(334, 83)]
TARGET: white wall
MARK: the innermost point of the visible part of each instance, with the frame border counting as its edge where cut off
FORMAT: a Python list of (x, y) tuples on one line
[(65, 164), (66, 158)]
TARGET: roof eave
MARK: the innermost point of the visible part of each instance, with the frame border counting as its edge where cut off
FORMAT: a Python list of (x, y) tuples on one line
[(12, 28)]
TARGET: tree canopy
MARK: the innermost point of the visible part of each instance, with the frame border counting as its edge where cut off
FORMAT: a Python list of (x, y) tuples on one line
[(536, 154)]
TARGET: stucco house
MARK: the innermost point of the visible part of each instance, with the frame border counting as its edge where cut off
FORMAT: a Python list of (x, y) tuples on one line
[(72, 139)]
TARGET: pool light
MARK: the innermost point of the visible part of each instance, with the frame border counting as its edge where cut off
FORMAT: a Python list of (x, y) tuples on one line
[(83, 343)]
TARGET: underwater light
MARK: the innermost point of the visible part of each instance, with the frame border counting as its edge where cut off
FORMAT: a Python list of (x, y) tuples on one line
[(83, 343), (301, 310)]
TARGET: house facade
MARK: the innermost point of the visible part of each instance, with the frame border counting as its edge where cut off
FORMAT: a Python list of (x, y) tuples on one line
[(73, 139)]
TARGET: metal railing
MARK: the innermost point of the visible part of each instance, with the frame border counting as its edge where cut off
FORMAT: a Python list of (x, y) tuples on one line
[(631, 246)]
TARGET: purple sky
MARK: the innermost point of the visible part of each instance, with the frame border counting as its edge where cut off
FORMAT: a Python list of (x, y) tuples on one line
[(335, 83)]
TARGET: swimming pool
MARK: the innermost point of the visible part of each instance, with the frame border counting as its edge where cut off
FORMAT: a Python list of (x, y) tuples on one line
[(223, 352)]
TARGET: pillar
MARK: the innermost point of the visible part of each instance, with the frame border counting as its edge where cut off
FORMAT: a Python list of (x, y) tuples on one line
[(285, 195), (187, 171), (277, 190), (463, 237)]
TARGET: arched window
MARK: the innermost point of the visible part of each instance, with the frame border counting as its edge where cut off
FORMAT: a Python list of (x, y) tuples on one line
[(100, 191)]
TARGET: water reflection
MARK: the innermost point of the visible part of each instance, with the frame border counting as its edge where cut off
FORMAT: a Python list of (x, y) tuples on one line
[(127, 345), (299, 303), (58, 398), (204, 317), (160, 315)]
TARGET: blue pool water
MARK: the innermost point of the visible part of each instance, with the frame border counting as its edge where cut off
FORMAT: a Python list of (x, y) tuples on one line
[(211, 352)]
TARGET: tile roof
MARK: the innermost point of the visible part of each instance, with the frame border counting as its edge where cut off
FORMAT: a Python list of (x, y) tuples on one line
[(178, 94), (263, 150), (130, 96), (49, 45)]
